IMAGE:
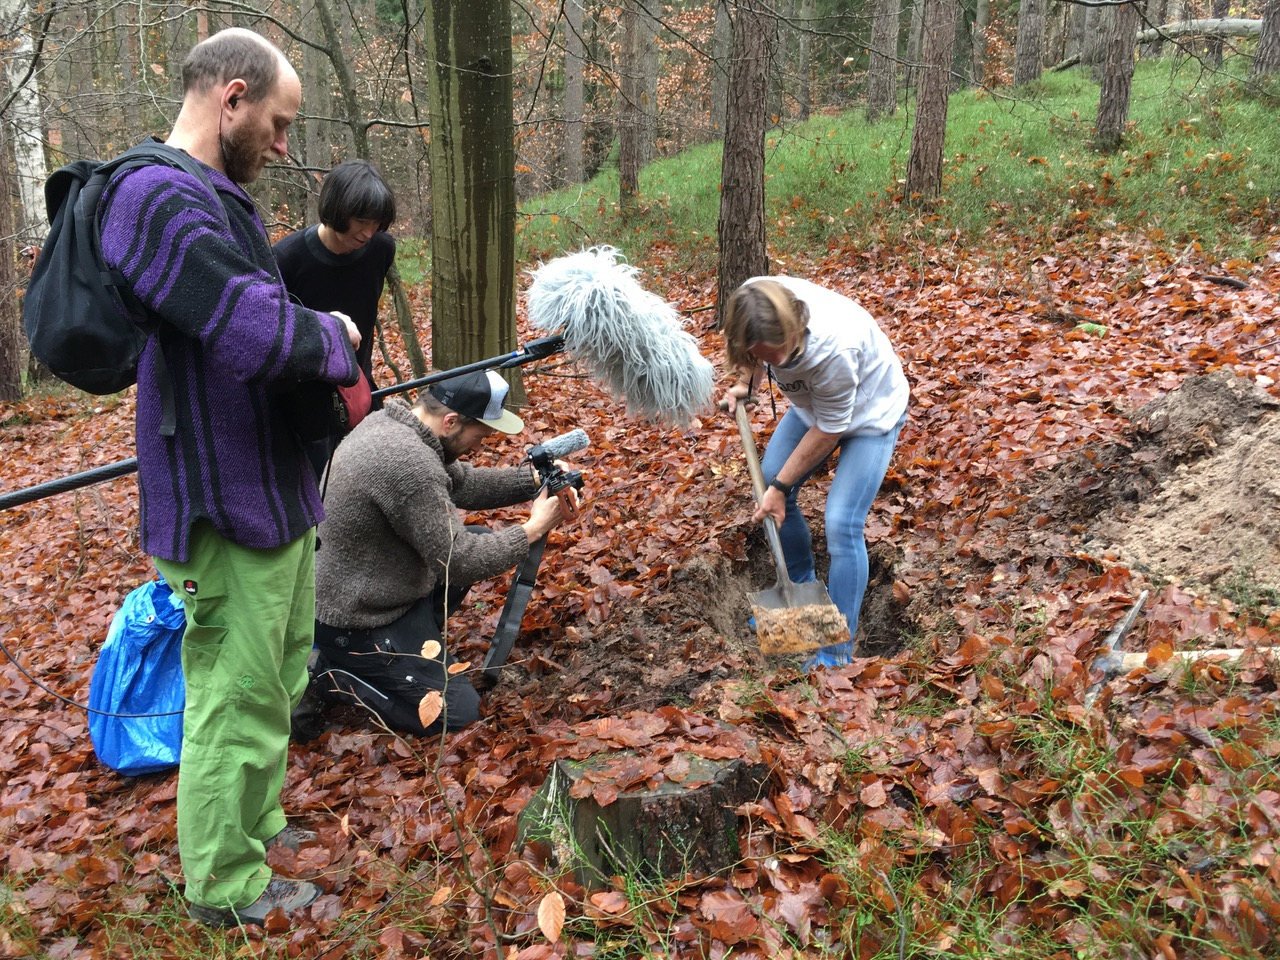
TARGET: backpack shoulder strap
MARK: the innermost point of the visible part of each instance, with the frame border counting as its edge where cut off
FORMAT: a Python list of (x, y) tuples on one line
[(148, 153), (152, 151)]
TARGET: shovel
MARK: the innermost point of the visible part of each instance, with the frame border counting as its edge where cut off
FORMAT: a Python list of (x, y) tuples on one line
[(790, 617)]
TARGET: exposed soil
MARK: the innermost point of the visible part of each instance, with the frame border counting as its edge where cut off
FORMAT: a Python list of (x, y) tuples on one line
[(1191, 496), (1194, 497), (696, 633)]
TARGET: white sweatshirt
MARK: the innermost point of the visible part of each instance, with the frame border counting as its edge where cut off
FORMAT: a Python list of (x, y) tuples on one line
[(846, 379)]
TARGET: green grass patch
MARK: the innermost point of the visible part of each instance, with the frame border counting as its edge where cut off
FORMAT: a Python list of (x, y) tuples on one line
[(1198, 165)]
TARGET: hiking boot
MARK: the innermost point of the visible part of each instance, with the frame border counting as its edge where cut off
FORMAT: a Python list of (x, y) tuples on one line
[(286, 895), (307, 721), (291, 838)]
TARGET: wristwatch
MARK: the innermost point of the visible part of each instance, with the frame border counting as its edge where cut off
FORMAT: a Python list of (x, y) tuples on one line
[(784, 488)]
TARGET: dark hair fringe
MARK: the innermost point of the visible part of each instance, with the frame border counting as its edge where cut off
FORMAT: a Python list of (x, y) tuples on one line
[(354, 190)]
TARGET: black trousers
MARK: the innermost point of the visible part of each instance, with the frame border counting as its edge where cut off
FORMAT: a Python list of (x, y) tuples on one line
[(382, 669)]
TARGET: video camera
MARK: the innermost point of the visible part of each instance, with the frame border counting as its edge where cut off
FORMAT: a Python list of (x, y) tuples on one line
[(554, 478)]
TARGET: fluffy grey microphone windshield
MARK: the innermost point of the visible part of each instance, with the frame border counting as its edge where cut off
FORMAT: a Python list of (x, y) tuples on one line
[(626, 337)]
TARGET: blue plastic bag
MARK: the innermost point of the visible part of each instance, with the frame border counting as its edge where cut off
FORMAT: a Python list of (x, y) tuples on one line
[(139, 670)]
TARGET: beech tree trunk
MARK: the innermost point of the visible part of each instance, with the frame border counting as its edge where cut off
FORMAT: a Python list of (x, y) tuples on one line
[(572, 169), (1027, 56), (1117, 78), (1266, 62), (741, 228), (924, 168), (882, 69), (472, 182)]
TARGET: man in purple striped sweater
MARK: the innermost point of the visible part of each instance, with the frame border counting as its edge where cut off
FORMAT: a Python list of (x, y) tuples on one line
[(229, 503)]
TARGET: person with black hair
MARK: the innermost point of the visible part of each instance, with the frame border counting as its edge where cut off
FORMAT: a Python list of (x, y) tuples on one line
[(341, 264)]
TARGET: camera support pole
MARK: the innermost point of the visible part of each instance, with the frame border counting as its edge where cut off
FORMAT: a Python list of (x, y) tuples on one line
[(538, 349)]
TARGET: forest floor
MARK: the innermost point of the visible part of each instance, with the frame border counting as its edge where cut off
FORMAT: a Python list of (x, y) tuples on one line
[(1048, 475)]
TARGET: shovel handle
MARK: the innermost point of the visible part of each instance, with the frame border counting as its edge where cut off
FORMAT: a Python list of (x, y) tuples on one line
[(758, 488)]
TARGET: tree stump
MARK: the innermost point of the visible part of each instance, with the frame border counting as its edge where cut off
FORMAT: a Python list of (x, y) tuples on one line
[(675, 830)]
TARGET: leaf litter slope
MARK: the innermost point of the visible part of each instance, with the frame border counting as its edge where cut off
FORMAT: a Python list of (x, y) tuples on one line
[(965, 763)]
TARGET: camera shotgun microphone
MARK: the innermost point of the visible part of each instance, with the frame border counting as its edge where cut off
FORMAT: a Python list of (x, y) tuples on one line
[(560, 447)]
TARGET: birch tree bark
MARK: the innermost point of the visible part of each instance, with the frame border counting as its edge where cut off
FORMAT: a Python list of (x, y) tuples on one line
[(22, 114), (472, 182), (924, 167), (741, 229)]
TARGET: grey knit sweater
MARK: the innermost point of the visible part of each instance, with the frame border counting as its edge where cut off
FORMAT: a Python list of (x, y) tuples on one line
[(392, 531)]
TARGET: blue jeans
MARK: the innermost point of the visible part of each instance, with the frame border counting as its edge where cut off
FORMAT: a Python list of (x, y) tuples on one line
[(864, 460)]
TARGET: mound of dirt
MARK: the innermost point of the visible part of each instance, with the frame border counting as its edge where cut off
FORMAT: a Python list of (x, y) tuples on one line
[(1196, 498), (680, 643)]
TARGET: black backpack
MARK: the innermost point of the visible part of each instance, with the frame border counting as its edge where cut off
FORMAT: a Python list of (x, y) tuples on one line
[(81, 317)]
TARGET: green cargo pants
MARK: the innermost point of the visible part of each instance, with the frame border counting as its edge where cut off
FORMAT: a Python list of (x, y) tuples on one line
[(250, 622)]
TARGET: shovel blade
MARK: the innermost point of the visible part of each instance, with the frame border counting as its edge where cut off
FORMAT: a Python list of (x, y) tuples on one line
[(792, 595), (797, 618)]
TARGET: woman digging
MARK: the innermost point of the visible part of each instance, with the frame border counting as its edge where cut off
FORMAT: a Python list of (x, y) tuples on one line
[(847, 392)]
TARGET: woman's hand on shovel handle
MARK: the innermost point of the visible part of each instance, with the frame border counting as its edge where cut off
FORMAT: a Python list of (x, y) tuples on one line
[(739, 391), (773, 505)]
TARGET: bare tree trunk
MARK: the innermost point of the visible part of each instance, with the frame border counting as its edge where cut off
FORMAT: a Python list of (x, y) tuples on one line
[(1154, 14), (1117, 78), (882, 69), (12, 338), (741, 231), (1027, 56), (924, 167), (647, 64), (629, 111), (1055, 33), (316, 151), (1094, 54), (571, 165), (472, 182), (721, 50), (360, 141), (1219, 11), (1266, 61), (23, 117), (981, 20), (1077, 20), (915, 32), (804, 65)]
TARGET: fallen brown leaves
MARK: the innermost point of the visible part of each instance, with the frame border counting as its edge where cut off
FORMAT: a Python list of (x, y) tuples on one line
[(911, 764)]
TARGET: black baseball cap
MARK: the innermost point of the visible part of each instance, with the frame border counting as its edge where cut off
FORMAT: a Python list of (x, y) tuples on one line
[(479, 396)]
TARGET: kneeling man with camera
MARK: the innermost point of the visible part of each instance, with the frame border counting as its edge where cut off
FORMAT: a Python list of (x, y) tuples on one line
[(394, 558)]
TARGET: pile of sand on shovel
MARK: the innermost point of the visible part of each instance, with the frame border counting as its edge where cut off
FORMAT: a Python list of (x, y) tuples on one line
[(783, 630)]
